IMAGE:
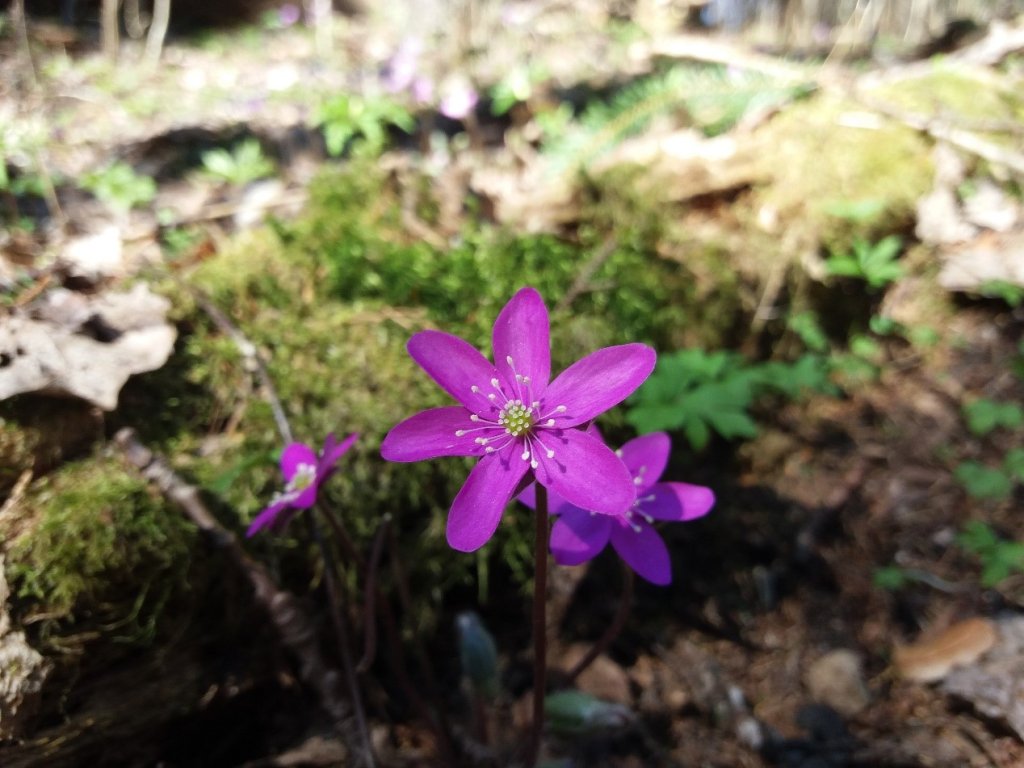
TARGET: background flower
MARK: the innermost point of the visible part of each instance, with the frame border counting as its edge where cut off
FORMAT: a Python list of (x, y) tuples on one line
[(579, 534), (304, 472)]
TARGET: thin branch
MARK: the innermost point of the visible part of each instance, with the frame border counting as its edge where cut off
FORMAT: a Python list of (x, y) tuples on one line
[(253, 363), (336, 611), (157, 31), (370, 602), (613, 630), (294, 627), (582, 282)]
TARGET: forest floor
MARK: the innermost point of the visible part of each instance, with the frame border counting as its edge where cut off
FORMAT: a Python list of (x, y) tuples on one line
[(856, 598)]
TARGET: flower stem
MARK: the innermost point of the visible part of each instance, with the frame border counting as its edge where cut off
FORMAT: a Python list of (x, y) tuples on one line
[(625, 603), (348, 668), (539, 622)]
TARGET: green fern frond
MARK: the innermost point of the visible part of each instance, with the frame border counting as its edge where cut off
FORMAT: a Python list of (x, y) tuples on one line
[(711, 98)]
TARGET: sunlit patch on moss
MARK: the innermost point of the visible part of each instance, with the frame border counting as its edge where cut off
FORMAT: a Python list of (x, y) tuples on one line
[(104, 554)]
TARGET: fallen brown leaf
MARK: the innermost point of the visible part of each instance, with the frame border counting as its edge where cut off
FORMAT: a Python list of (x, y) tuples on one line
[(932, 659)]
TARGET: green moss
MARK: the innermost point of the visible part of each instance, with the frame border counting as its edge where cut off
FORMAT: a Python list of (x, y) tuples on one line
[(331, 300), (817, 156), (103, 552), (952, 93)]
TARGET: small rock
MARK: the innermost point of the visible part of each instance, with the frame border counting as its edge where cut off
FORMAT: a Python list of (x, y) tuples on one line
[(837, 679), (96, 256), (603, 679)]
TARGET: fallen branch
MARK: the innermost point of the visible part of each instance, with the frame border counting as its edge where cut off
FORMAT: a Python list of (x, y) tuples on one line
[(294, 627)]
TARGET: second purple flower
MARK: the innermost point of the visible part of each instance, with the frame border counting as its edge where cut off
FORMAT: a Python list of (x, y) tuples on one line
[(518, 421)]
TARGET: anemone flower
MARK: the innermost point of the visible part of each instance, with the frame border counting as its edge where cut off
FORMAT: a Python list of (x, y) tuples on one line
[(518, 423), (580, 535), (304, 472)]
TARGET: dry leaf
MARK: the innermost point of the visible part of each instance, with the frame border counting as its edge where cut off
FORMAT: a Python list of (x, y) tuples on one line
[(83, 346), (929, 660)]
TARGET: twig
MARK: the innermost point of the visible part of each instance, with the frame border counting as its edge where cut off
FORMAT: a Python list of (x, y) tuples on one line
[(438, 725), (17, 493), (613, 630), (253, 363), (370, 602), (157, 31), (540, 554), (594, 263), (294, 627), (335, 610), (20, 22)]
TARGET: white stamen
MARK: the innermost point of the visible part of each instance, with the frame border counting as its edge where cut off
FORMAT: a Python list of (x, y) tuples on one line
[(549, 423), (461, 433), (494, 383), (474, 417)]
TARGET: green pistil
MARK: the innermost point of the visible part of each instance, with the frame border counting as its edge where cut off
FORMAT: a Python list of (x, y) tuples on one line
[(305, 475), (516, 418)]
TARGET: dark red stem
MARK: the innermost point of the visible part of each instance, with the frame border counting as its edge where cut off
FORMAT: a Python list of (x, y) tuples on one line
[(540, 641)]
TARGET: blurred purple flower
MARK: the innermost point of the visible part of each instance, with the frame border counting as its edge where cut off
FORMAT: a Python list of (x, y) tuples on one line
[(579, 535), (304, 472), (422, 90), (401, 69), (459, 100), (288, 14), (518, 423)]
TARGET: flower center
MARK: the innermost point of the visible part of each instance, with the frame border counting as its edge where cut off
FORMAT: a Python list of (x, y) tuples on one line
[(305, 475), (516, 418)]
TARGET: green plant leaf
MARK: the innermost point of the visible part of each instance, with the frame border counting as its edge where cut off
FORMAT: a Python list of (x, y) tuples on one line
[(983, 482)]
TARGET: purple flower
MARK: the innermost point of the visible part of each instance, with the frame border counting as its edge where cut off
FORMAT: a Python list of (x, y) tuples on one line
[(458, 100), (579, 535), (517, 422), (304, 472), (288, 14), (401, 69)]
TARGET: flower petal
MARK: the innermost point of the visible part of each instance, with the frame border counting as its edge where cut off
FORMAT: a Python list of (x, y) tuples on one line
[(644, 552), (578, 536), (268, 517), (477, 508), (583, 471), (521, 332), (456, 365), (598, 382), (293, 455), (677, 502), (332, 452), (645, 457), (556, 504), (429, 434)]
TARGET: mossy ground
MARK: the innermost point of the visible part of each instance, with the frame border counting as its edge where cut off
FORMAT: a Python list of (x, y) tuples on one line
[(331, 298)]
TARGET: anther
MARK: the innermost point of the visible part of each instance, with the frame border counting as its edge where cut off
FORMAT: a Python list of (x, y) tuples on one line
[(551, 455), (494, 383), (460, 432)]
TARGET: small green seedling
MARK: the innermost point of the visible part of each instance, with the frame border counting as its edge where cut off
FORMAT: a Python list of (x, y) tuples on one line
[(999, 557), (349, 117), (984, 416), (244, 164), (876, 263), (120, 187)]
